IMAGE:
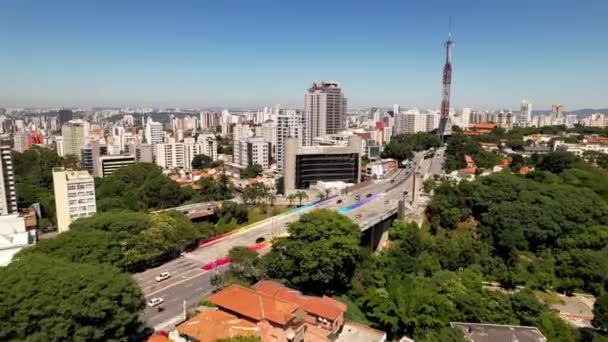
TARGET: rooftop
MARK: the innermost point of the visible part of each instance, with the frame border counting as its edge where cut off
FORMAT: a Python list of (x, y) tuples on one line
[(325, 307), (478, 332), (254, 305), (210, 325), (355, 332)]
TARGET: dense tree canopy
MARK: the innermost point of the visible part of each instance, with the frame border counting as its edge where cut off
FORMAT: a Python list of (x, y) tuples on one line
[(427, 279), (403, 146), (460, 145), (216, 190), (562, 226), (140, 186), (127, 240), (320, 254), (48, 299), (202, 161), (251, 171), (600, 312), (34, 178)]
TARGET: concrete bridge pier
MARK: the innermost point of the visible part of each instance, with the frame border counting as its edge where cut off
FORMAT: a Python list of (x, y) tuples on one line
[(375, 236)]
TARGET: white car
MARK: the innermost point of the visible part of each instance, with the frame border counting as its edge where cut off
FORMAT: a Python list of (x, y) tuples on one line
[(163, 276), (155, 301)]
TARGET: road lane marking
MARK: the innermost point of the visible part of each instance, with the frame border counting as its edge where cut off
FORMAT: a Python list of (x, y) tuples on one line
[(174, 284)]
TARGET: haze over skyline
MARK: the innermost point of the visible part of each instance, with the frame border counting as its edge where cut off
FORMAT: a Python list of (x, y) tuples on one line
[(255, 53)]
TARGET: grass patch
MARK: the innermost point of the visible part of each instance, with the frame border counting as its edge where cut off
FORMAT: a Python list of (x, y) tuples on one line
[(548, 297), (353, 312)]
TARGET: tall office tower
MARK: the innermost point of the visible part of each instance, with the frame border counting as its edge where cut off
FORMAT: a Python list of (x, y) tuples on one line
[(8, 195), (75, 135), (209, 145), (526, 110), (289, 124), (74, 196), (447, 83), (254, 150), (20, 141), (64, 116), (325, 111), (154, 132), (556, 111), (209, 121), (375, 114)]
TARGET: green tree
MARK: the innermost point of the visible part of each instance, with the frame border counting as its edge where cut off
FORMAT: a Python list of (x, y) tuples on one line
[(291, 198), (201, 161), (557, 162), (251, 171), (301, 195), (245, 265), (48, 299), (600, 312), (320, 254)]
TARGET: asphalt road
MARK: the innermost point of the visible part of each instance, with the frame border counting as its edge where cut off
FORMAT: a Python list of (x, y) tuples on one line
[(190, 283)]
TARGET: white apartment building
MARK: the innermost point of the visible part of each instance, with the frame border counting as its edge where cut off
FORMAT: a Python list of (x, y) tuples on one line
[(209, 145), (74, 196), (171, 156), (255, 150), (411, 121), (289, 124), (20, 141), (209, 120), (154, 132), (325, 111), (241, 132)]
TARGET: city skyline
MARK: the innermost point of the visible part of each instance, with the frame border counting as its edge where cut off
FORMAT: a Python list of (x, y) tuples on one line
[(242, 54)]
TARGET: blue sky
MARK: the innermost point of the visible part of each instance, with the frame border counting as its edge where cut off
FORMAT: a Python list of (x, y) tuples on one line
[(241, 53)]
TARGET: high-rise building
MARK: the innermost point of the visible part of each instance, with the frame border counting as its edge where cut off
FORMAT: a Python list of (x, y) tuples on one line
[(325, 111), (411, 121), (154, 132), (209, 121), (144, 153), (524, 119), (74, 196), (75, 135), (254, 150), (170, 156), (375, 114), (209, 145), (8, 194), (289, 124), (396, 109), (20, 141), (556, 112), (64, 116)]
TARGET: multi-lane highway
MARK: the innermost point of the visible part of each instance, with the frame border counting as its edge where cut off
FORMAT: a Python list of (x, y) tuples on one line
[(189, 282)]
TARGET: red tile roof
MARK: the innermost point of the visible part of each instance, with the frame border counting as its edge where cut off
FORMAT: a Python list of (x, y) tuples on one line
[(254, 305), (158, 338), (483, 125), (211, 325), (325, 307)]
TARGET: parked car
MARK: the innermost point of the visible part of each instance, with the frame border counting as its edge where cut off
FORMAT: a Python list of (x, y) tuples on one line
[(369, 195), (155, 301), (339, 201), (163, 276)]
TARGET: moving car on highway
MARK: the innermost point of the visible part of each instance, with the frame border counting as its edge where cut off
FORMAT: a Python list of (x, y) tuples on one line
[(163, 276), (155, 301)]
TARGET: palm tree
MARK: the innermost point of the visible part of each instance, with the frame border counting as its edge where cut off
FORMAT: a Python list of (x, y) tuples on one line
[(320, 196), (301, 195), (327, 192), (291, 198)]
